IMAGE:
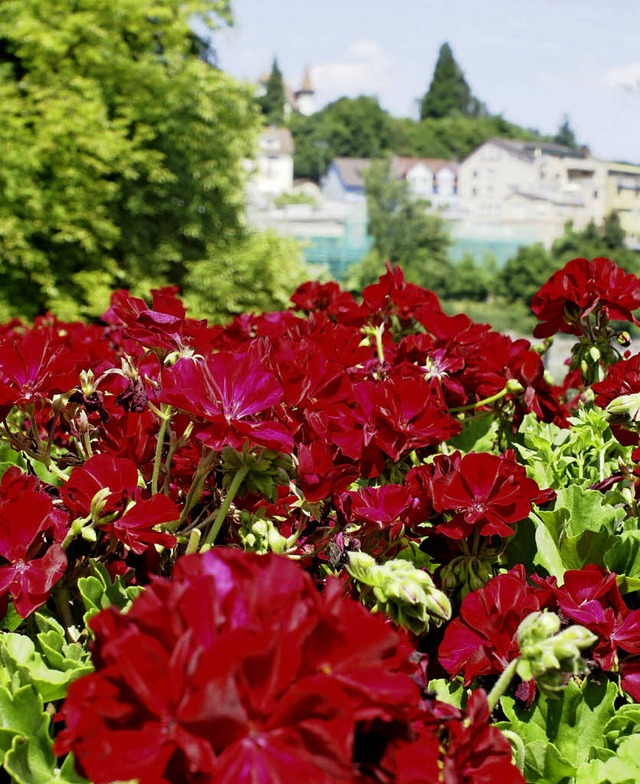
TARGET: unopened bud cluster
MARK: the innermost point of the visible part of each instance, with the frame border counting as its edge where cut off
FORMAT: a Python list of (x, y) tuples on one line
[(546, 653), (401, 591), (465, 574)]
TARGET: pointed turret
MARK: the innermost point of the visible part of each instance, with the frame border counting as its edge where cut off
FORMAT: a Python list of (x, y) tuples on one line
[(305, 96)]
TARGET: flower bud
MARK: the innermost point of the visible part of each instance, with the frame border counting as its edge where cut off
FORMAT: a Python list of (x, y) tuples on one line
[(625, 406), (546, 653), (403, 592)]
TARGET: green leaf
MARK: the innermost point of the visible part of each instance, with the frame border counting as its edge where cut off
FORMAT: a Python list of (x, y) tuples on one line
[(21, 659), (478, 435), (22, 718), (623, 768), (99, 591), (577, 531), (623, 558), (449, 691), (573, 723)]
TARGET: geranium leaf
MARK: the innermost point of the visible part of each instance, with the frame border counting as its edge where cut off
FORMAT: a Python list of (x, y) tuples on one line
[(573, 721), (577, 531), (623, 768), (20, 658), (478, 435), (99, 591)]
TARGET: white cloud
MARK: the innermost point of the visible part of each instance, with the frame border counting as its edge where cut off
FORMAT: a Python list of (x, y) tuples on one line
[(627, 77), (364, 69)]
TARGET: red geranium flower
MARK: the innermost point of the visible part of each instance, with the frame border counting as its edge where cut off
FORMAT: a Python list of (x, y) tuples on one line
[(32, 370), (488, 493), (477, 752), (237, 671), (229, 391), (482, 640), (581, 288), (122, 511), (29, 527)]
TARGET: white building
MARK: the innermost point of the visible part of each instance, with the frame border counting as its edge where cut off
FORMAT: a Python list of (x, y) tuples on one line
[(271, 173)]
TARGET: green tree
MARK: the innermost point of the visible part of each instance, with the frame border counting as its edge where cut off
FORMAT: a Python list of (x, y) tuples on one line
[(227, 285), (122, 149), (404, 232), (272, 102), (565, 134), (351, 127), (522, 275), (449, 92)]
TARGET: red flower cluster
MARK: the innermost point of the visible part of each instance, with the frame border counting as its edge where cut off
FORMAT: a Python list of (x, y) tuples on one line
[(238, 670), (582, 288), (31, 532)]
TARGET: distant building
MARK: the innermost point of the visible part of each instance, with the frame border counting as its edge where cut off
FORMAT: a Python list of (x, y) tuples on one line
[(530, 184), (434, 179), (622, 195), (344, 180), (271, 173)]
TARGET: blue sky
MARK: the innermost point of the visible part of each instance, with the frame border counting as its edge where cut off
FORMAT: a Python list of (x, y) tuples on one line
[(531, 60)]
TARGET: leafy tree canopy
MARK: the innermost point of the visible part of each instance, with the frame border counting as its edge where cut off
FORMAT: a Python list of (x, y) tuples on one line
[(404, 232), (352, 127), (449, 92), (122, 149)]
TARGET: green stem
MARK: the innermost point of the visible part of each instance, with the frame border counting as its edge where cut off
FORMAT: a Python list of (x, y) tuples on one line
[(224, 509), (485, 402), (502, 684), (379, 346), (164, 423)]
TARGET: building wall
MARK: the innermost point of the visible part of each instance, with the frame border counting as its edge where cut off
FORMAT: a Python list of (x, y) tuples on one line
[(623, 197)]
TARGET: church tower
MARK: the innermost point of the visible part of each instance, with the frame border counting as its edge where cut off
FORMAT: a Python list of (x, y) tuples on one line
[(305, 96)]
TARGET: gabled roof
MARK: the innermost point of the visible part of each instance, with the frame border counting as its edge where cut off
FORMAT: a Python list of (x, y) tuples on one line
[(529, 150), (276, 140), (402, 165), (351, 171)]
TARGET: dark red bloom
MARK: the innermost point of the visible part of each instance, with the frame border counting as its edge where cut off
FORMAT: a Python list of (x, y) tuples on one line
[(106, 487), (478, 753), (163, 326), (488, 494), (237, 671), (583, 287), (33, 370), (591, 598), (32, 561), (230, 391), (482, 640), (385, 507)]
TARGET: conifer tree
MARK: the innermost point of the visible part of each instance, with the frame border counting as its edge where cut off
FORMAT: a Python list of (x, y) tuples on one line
[(272, 102), (449, 93)]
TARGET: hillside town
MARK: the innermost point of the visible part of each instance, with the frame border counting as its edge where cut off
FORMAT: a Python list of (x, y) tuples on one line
[(504, 194)]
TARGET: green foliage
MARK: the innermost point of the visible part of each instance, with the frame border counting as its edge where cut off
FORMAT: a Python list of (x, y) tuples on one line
[(470, 279), (272, 102), (404, 232), (565, 134), (449, 92), (523, 275), (561, 732), (351, 127), (122, 149), (98, 591), (592, 241), (257, 274)]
